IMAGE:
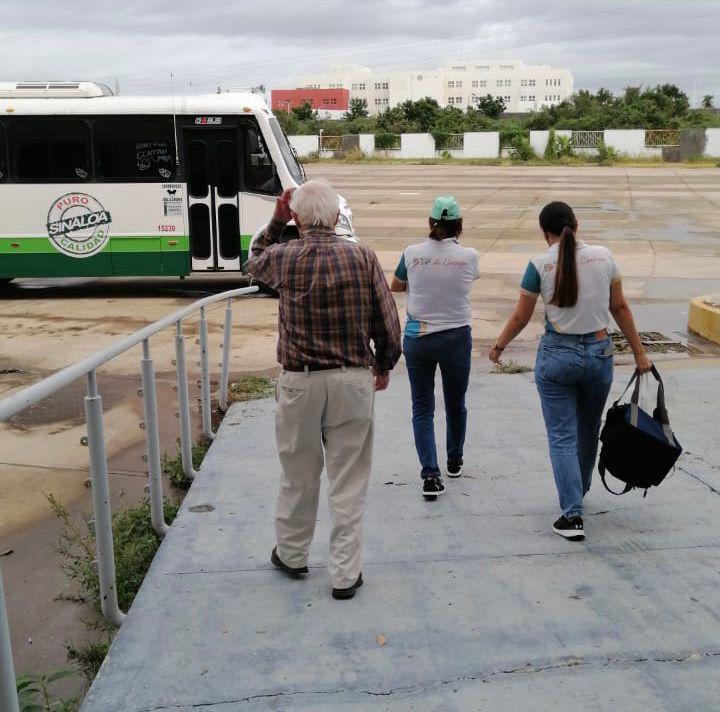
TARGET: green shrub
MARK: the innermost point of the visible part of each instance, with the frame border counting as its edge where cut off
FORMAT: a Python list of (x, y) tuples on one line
[(386, 141), (135, 545), (521, 148), (172, 466), (89, 656), (34, 693), (551, 148), (607, 155)]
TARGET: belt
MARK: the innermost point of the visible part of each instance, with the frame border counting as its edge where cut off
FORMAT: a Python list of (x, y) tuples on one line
[(599, 335), (310, 367)]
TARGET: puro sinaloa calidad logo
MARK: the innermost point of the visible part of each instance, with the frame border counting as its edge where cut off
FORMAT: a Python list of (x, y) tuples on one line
[(78, 225)]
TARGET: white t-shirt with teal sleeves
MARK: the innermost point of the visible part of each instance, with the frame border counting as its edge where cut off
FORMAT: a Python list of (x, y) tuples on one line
[(596, 270), (439, 276)]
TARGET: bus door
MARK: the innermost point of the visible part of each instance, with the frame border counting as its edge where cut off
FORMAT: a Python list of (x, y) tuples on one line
[(213, 179)]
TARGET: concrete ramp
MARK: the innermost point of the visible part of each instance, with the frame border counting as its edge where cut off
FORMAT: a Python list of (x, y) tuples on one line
[(470, 602)]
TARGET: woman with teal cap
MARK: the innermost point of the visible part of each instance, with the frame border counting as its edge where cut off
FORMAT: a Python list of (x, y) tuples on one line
[(437, 275)]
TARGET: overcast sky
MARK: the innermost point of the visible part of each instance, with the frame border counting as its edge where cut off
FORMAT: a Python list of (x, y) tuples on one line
[(236, 43)]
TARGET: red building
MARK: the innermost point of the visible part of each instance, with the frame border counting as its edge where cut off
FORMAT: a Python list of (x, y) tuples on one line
[(320, 99)]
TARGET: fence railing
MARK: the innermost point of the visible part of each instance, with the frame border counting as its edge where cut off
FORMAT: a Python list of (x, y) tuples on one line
[(102, 515), (449, 142), (330, 143), (587, 139), (660, 138)]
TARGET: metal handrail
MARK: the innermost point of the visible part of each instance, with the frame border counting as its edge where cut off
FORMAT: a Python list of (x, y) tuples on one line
[(87, 368)]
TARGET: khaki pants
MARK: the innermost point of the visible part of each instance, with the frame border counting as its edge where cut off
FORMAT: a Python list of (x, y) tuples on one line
[(324, 418)]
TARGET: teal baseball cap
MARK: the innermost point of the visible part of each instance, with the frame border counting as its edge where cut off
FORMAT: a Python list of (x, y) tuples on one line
[(445, 207)]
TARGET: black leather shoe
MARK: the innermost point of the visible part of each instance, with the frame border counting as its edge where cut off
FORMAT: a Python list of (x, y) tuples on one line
[(344, 593), (289, 570)]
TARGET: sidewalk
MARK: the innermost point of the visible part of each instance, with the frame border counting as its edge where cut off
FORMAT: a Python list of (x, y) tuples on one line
[(470, 602)]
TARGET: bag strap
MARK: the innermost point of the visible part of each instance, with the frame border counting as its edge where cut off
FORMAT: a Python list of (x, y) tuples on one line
[(601, 468), (662, 410), (630, 382)]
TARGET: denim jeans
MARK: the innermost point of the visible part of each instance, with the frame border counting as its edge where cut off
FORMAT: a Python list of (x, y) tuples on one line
[(573, 376), (450, 350)]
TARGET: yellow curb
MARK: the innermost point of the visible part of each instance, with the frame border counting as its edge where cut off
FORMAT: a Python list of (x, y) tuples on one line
[(704, 317)]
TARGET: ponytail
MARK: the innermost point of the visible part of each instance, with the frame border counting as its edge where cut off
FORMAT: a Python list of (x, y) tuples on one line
[(557, 219), (566, 280)]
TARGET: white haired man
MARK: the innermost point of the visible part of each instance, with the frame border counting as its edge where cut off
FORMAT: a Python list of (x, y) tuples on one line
[(334, 301)]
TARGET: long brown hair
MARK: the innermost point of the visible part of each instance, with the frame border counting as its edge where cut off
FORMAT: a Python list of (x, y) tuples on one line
[(558, 219)]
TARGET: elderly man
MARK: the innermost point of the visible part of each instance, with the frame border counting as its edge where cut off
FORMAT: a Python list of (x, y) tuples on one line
[(334, 301)]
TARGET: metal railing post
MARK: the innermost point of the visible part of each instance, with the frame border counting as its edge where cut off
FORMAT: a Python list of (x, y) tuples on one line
[(8, 690), (152, 438), (101, 502), (224, 374), (183, 403), (205, 378)]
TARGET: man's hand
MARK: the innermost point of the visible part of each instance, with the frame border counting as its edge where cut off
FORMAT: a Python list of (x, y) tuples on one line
[(382, 380), (282, 206)]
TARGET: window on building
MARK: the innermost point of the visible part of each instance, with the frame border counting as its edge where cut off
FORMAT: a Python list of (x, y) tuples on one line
[(523, 82), (531, 97), (259, 171), (451, 84), (377, 85), (354, 86), (50, 149), (475, 83), (458, 84), (483, 67), (333, 102), (385, 101), (498, 82), (507, 99), (507, 66), (531, 82), (508, 82), (483, 82), (378, 102), (459, 69), (326, 102), (558, 82), (386, 85), (134, 148)]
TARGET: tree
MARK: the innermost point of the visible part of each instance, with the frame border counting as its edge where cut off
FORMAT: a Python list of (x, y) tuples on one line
[(491, 106), (358, 109), (422, 112), (304, 112), (707, 101)]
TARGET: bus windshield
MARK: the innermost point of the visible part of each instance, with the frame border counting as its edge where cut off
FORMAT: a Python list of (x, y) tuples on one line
[(288, 154)]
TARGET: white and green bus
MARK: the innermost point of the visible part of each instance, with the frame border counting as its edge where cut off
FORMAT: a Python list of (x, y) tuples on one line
[(93, 184)]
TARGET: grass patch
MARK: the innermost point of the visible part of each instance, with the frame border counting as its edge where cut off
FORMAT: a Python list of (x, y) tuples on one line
[(172, 466), (89, 657), (34, 694), (250, 387), (135, 545), (510, 367)]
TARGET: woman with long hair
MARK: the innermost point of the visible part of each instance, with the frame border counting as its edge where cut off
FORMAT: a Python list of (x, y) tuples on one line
[(581, 287), (438, 275)]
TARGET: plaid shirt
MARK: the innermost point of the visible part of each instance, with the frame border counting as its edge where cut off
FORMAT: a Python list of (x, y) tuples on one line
[(334, 300)]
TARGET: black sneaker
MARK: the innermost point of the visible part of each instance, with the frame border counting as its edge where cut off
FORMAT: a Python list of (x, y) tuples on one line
[(289, 570), (454, 468), (570, 528), (433, 486)]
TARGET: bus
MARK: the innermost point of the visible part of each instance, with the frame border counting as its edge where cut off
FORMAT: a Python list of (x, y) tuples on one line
[(93, 184)]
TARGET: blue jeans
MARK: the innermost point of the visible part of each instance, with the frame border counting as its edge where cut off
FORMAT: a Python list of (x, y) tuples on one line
[(450, 350), (573, 376)]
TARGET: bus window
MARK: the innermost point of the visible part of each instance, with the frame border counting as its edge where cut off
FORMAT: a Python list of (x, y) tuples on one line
[(260, 173), (50, 150), (288, 154), (227, 168), (3, 160), (198, 177), (134, 149)]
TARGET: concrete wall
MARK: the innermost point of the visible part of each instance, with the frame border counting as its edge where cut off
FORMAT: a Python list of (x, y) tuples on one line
[(712, 143), (417, 145), (367, 144), (482, 145), (630, 142), (538, 141), (304, 145)]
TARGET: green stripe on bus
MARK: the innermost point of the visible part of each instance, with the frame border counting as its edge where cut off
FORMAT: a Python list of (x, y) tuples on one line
[(124, 243)]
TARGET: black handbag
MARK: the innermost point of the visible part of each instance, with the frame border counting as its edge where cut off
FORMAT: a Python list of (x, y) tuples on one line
[(637, 448)]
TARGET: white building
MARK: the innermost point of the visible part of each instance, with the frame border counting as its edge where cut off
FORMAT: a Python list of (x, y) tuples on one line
[(524, 87)]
